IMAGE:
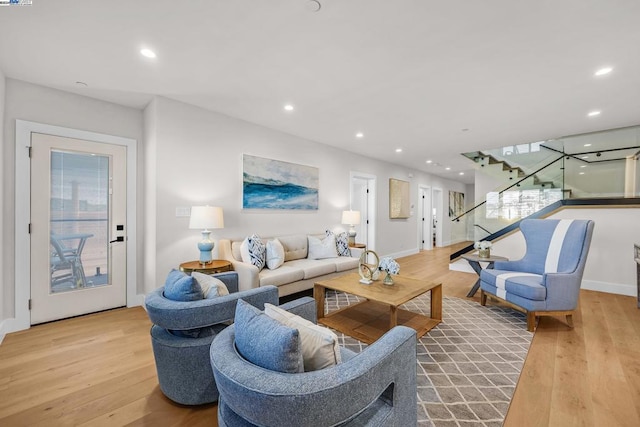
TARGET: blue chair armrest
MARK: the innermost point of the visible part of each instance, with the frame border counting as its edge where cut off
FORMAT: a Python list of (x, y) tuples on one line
[(386, 368), (181, 315), (230, 279), (304, 307)]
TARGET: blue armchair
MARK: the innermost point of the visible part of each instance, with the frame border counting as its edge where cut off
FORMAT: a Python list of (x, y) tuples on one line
[(182, 333), (375, 387), (546, 281)]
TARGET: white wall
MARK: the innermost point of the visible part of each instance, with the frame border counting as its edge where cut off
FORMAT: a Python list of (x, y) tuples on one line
[(40, 104), (198, 160), (610, 264), (3, 204)]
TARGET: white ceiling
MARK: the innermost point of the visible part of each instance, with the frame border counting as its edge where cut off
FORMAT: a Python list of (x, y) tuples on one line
[(408, 74)]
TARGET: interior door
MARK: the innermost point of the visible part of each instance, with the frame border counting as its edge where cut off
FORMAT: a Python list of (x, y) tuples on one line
[(438, 209), (78, 227), (426, 225)]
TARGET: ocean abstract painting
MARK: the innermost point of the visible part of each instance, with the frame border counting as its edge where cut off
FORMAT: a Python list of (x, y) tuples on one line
[(272, 184)]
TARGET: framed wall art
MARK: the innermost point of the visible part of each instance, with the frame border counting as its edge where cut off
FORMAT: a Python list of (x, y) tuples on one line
[(456, 204), (398, 199), (273, 184)]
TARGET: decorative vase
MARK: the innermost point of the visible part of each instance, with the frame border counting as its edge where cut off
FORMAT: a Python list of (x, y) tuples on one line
[(484, 253), (388, 279)]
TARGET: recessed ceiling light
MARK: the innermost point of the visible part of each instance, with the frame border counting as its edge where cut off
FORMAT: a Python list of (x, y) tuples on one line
[(581, 173), (428, 162), (288, 107), (148, 53), (593, 113), (587, 145), (603, 71), (584, 157), (583, 166), (447, 168), (398, 150), (461, 173), (359, 135)]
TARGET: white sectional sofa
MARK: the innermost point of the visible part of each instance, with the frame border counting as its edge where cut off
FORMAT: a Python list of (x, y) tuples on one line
[(298, 273)]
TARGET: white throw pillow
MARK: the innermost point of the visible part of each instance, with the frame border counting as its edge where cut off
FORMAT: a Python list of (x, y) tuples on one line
[(320, 347), (320, 249), (275, 254), (253, 251), (211, 287)]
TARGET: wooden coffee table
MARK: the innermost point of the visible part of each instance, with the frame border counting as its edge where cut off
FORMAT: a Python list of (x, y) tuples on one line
[(370, 319)]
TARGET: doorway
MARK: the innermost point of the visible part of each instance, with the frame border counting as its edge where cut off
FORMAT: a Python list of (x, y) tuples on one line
[(75, 220), (363, 199)]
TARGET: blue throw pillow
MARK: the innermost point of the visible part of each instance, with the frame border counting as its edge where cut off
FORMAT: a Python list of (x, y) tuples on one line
[(181, 287), (265, 342)]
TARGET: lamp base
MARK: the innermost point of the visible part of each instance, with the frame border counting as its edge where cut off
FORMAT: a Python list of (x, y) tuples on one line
[(205, 246), (352, 235)]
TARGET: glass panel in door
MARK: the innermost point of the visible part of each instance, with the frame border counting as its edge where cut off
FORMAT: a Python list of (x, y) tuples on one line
[(79, 220)]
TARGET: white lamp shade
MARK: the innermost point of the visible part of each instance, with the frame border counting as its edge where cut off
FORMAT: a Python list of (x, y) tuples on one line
[(206, 217), (351, 217)]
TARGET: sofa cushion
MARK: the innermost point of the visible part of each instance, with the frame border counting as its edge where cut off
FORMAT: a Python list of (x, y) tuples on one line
[(342, 242), (281, 276), (266, 342), (275, 254), (181, 287), (254, 251), (319, 345), (211, 286), (314, 267), (321, 249), (526, 285), (295, 246), (344, 263)]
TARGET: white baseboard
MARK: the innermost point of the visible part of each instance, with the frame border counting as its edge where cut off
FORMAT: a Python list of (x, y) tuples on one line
[(610, 288), (6, 327), (400, 254)]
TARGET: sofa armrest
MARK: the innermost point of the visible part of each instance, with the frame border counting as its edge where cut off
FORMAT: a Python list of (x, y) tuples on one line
[(304, 307), (248, 277)]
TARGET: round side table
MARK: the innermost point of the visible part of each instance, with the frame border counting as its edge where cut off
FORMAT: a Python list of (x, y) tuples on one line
[(215, 266)]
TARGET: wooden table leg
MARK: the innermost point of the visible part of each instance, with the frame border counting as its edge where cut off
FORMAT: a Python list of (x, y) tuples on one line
[(318, 295), (393, 316), (436, 302)]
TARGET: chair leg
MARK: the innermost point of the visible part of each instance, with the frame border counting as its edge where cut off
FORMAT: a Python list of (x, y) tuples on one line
[(570, 320), (531, 321), (483, 298)]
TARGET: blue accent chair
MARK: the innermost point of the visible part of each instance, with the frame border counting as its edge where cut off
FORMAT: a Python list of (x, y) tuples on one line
[(376, 387), (182, 333), (546, 281)]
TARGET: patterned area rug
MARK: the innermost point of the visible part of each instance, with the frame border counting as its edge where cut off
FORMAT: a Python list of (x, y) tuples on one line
[(468, 366)]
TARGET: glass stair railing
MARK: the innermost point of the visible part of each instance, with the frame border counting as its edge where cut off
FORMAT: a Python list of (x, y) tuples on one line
[(602, 165)]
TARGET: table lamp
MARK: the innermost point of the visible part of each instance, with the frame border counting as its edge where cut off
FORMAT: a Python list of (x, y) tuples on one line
[(206, 218), (351, 218)]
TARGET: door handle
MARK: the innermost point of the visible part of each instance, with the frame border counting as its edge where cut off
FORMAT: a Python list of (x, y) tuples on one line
[(117, 239)]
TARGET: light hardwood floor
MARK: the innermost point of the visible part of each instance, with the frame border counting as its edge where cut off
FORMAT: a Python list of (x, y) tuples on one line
[(99, 370)]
